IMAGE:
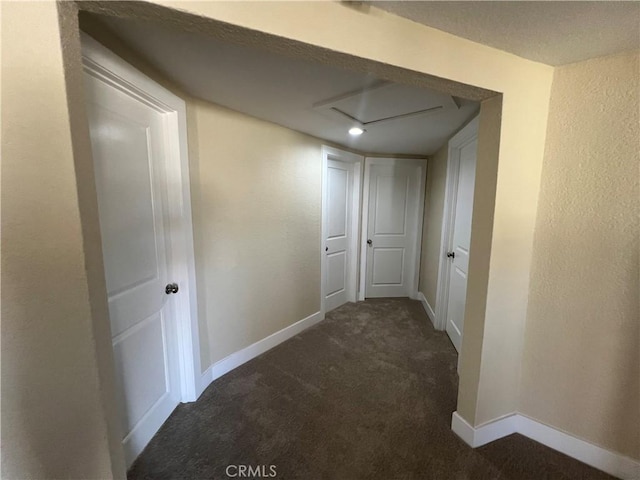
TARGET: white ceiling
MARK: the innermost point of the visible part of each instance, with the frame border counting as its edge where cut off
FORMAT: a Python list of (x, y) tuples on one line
[(551, 32), (304, 96), (318, 99)]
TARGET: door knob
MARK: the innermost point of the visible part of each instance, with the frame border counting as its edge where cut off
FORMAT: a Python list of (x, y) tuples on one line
[(171, 288), (451, 255), (369, 242)]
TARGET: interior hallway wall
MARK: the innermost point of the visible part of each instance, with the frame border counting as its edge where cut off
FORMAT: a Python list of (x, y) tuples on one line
[(256, 193), (432, 224), (58, 404), (581, 363)]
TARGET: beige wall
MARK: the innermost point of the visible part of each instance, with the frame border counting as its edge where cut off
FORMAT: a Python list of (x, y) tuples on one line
[(581, 363), (432, 224), (55, 402), (256, 190)]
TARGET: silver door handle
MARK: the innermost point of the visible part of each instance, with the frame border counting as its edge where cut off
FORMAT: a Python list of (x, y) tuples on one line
[(369, 242), (171, 288)]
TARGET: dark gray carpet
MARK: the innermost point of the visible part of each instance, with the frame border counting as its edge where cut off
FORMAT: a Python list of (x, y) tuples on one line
[(366, 394)]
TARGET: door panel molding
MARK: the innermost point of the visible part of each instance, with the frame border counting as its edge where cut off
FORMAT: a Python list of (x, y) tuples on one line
[(465, 136), (353, 214), (413, 262)]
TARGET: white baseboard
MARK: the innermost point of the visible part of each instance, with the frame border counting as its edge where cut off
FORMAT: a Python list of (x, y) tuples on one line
[(462, 428), (478, 436), (252, 351), (598, 457), (427, 308)]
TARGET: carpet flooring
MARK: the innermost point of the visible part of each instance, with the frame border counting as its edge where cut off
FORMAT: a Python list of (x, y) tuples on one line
[(366, 394)]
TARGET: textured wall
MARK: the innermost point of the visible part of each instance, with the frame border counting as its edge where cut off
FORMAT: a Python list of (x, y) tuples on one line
[(581, 367), (54, 418), (256, 190), (432, 224)]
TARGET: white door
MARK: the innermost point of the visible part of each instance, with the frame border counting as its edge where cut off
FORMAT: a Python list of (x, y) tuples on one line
[(395, 192), (340, 226), (128, 140), (458, 251)]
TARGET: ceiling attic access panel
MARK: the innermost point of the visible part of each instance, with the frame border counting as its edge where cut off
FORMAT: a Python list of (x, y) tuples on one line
[(385, 103)]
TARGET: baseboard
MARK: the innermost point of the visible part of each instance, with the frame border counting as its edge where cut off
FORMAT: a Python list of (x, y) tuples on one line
[(205, 380), (598, 457), (236, 359), (427, 308), (478, 436)]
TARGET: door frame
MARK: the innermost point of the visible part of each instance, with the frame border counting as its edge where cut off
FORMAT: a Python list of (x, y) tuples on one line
[(356, 202), (465, 136), (101, 63), (368, 162)]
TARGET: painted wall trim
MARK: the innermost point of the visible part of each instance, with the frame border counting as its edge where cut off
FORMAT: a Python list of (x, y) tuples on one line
[(427, 308), (610, 462), (236, 359)]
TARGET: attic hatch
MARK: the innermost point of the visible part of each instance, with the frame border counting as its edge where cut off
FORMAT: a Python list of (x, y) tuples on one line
[(385, 102)]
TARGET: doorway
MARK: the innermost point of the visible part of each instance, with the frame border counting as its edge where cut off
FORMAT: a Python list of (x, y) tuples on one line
[(340, 226), (392, 220), (400, 76), (456, 232), (138, 137)]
